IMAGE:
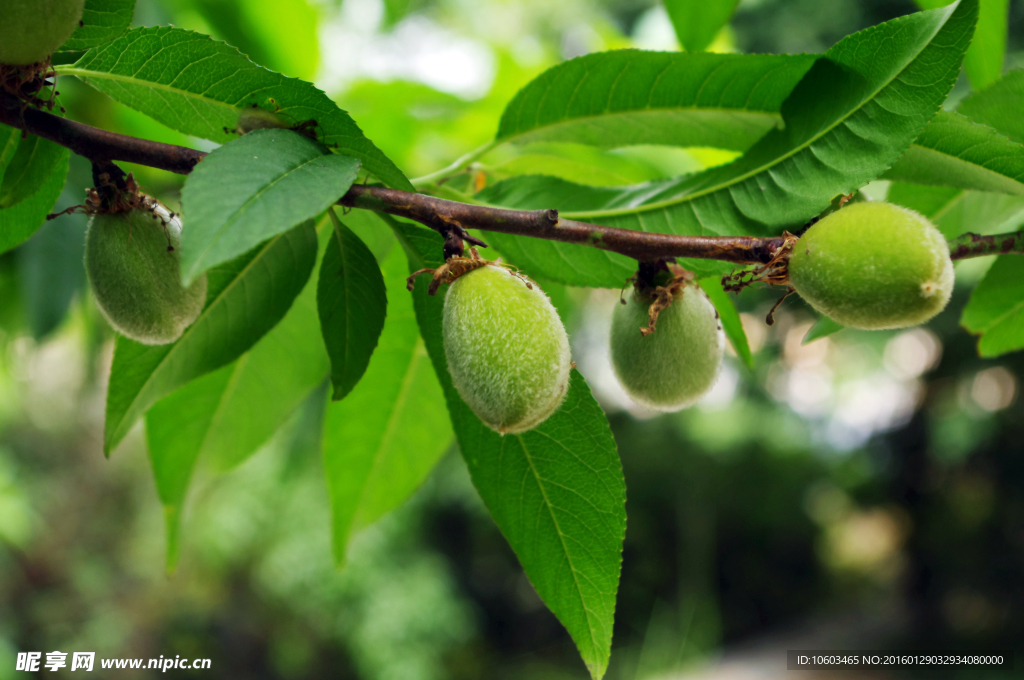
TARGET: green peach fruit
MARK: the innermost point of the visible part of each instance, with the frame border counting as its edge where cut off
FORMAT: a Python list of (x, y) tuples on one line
[(32, 30), (679, 362), (507, 350), (136, 276), (873, 266)]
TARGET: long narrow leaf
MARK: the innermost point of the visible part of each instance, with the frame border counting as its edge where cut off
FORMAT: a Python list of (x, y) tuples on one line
[(385, 437), (352, 301), (999, 105), (625, 97), (21, 220), (208, 89), (29, 168), (996, 308), (175, 429), (730, 318), (984, 61), (267, 384), (697, 23), (556, 492), (245, 298), (956, 211), (952, 151), (253, 188), (226, 415)]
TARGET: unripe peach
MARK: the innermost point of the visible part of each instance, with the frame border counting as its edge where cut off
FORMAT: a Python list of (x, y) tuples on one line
[(873, 266), (134, 269), (679, 362), (32, 30), (507, 350)]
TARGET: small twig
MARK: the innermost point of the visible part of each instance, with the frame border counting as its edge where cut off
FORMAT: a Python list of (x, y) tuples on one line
[(974, 245)]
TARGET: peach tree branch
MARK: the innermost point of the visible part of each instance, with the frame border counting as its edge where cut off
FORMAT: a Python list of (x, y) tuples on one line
[(452, 217)]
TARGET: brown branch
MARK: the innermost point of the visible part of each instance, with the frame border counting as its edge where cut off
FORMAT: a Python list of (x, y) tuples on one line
[(96, 144), (441, 214), (974, 245), (452, 218)]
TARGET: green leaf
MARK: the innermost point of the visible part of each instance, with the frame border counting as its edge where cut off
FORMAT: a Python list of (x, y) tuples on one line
[(175, 428), (582, 164), (301, 437), (984, 62), (730, 318), (849, 119), (50, 272), (9, 139), (208, 89), (372, 230), (382, 441), (352, 303), (999, 105), (996, 308), (627, 97), (956, 211), (227, 415), (245, 298), (267, 384), (697, 23), (982, 213), (822, 328), (930, 201), (556, 492), (32, 164), (255, 187), (952, 151), (22, 219), (102, 21)]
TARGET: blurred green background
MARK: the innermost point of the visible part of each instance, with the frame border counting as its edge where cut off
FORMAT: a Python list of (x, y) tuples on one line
[(865, 491)]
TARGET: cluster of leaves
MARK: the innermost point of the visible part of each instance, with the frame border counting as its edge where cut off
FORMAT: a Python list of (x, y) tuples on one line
[(298, 295)]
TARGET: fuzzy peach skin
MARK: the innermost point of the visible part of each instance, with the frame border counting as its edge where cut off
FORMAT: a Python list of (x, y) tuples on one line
[(507, 350), (32, 30), (679, 362), (873, 266), (136, 280)]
